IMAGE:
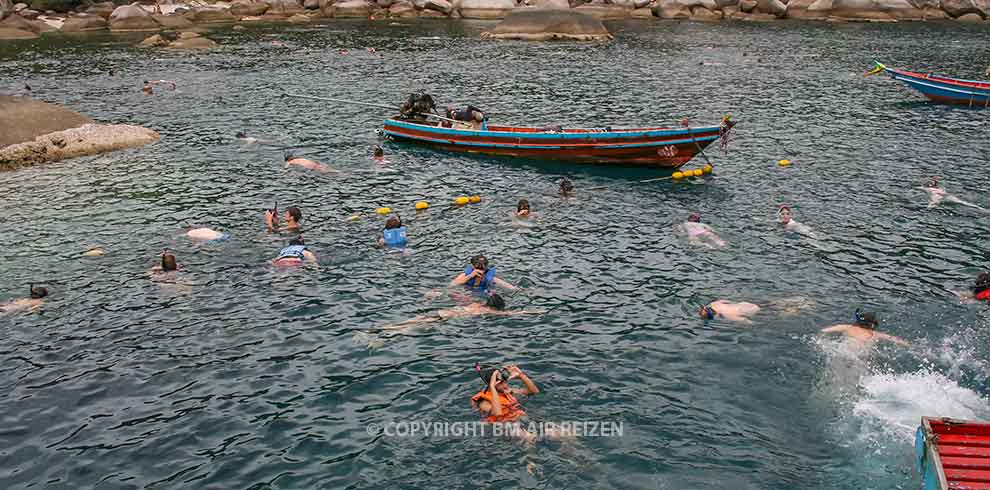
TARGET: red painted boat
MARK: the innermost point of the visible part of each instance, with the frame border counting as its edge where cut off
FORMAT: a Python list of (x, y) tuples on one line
[(953, 454), (944, 90), (653, 147)]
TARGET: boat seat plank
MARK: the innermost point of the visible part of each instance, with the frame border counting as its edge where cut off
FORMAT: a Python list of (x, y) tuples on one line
[(964, 451), (968, 485), (963, 440), (964, 463), (967, 475)]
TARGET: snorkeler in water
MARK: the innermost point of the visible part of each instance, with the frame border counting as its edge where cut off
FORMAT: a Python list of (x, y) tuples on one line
[(32, 303), (936, 194), (244, 138), (566, 188), (522, 209), (864, 329), (295, 254), (494, 305), (204, 234), (379, 153), (725, 310), (293, 219), (980, 290), (786, 218), (700, 233), (297, 161), (479, 277), (394, 234)]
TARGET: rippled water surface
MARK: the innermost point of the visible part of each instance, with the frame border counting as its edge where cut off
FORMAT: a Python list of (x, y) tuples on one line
[(240, 376)]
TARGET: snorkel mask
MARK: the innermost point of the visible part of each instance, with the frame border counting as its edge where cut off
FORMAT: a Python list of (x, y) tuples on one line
[(709, 312), (480, 262), (486, 374), (695, 218)]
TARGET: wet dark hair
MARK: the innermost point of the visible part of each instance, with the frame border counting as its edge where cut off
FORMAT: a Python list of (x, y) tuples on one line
[(290, 156), (39, 292), (695, 217), (932, 182), (297, 241), (982, 283), (168, 262), (865, 319), (379, 151), (393, 222), (240, 134), (486, 373), (295, 213), (708, 311), (523, 204), (479, 262), (495, 301), (566, 185)]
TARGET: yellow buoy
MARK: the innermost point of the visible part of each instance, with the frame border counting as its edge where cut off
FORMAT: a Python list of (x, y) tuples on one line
[(475, 199), (783, 163), (707, 169), (678, 175), (422, 205), (460, 201), (383, 210), (354, 218), (698, 172)]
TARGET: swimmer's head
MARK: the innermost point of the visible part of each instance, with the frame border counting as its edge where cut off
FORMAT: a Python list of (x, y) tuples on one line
[(982, 283), (865, 319), (495, 301), (522, 207), (393, 222), (784, 213), (240, 134), (566, 186), (168, 262), (706, 313), (294, 213), (479, 262), (297, 241), (39, 292), (695, 218), (289, 156), (932, 182), (379, 151), (487, 373)]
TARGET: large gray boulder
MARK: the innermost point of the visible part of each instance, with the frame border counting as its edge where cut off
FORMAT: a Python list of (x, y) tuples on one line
[(532, 24), (485, 9), (402, 9), (192, 40), (958, 8), (11, 33), (82, 24), (132, 18), (311, 5), (866, 9), (210, 16), (631, 4), (701, 14), (284, 8), (775, 7), (246, 8), (103, 9), (550, 4), (442, 6), (172, 21)]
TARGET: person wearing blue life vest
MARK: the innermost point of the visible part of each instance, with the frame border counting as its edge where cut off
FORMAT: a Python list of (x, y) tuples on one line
[(394, 234), (479, 277), (295, 254)]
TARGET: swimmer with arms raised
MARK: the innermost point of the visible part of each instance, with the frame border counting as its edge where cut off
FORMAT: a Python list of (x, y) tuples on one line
[(498, 402), (733, 312), (864, 330), (479, 277), (293, 219), (26, 304)]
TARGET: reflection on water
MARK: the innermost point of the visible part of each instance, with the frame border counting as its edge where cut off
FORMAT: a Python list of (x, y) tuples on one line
[(240, 375)]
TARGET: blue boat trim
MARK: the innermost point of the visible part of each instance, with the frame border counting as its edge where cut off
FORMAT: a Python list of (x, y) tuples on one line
[(544, 147), (549, 135), (940, 89)]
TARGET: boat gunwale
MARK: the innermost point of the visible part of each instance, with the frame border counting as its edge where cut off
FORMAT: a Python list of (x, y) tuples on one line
[(970, 87), (539, 133), (571, 146)]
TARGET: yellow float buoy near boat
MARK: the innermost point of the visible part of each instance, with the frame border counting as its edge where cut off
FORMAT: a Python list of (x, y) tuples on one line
[(698, 172), (354, 218), (421, 205), (783, 163), (383, 210), (707, 169), (677, 175), (475, 199), (460, 201)]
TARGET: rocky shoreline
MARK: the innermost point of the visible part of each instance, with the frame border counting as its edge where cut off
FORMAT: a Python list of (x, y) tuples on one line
[(20, 21)]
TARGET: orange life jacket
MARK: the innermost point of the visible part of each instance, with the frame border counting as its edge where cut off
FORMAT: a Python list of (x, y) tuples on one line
[(510, 406), (983, 295)]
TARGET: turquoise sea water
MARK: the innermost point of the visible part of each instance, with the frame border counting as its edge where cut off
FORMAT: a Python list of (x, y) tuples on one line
[(242, 376)]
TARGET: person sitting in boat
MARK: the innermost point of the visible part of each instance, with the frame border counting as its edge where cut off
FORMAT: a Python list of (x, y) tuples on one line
[(733, 312), (32, 303), (293, 219), (700, 233), (863, 329), (479, 277), (295, 254), (790, 224), (417, 106), (566, 187), (394, 234), (469, 114)]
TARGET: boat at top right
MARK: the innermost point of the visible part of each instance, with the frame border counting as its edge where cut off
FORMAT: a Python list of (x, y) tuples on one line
[(945, 90)]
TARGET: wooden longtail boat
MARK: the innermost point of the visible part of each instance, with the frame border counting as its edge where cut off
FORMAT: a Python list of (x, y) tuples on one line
[(953, 454), (941, 89), (653, 147)]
